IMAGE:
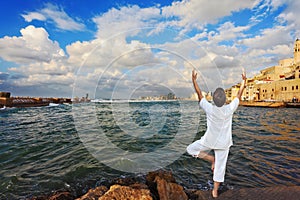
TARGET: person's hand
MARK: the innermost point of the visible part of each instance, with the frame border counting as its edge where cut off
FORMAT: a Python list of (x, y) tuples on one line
[(194, 75), (244, 75)]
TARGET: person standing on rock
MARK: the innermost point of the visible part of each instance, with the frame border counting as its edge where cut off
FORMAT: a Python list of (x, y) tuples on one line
[(218, 136)]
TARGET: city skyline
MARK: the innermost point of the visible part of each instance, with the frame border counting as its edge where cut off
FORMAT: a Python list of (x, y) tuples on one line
[(123, 49)]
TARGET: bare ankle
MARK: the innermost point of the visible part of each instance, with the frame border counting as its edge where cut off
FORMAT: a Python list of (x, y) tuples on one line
[(215, 193)]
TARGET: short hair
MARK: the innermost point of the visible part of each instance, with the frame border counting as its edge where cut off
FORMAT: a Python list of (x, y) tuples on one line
[(219, 97)]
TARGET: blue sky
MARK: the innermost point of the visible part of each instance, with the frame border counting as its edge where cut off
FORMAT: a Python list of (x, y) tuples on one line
[(116, 49)]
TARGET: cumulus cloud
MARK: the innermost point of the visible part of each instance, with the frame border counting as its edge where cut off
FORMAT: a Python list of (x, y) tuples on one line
[(226, 62), (228, 31), (269, 37), (55, 15), (120, 67), (198, 13), (119, 21), (115, 52), (291, 17), (32, 46), (41, 62)]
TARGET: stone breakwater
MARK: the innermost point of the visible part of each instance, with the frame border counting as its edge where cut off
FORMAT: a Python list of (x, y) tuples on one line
[(266, 104), (7, 101), (161, 185)]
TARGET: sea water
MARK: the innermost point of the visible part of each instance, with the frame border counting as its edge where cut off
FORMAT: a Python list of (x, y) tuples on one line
[(76, 147)]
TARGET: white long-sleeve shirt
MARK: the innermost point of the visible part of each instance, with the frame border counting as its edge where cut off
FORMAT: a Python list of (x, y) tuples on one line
[(219, 124)]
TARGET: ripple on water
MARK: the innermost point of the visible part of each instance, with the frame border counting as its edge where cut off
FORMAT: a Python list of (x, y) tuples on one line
[(40, 150)]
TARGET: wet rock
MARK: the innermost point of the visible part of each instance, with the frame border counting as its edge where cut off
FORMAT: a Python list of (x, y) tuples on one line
[(127, 181), (118, 192), (62, 196), (167, 175), (161, 185), (139, 186), (55, 196), (268, 193), (164, 187), (94, 194), (198, 194), (168, 190), (153, 185)]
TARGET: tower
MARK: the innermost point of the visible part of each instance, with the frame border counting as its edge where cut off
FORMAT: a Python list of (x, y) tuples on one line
[(297, 51)]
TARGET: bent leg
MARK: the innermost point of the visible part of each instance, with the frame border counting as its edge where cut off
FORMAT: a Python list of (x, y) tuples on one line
[(197, 150), (209, 158)]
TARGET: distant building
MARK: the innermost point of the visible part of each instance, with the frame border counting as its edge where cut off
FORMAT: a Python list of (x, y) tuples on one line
[(170, 96), (276, 83)]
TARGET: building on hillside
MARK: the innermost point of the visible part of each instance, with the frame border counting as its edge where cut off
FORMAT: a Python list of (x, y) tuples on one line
[(276, 83), (231, 93)]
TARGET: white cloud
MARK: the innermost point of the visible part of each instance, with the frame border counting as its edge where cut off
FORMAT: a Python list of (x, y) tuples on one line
[(277, 3), (34, 16), (115, 52), (198, 13), (228, 31), (269, 37), (46, 79), (42, 63), (53, 68), (264, 8), (119, 21), (105, 62), (291, 17), (55, 15), (32, 46), (122, 53)]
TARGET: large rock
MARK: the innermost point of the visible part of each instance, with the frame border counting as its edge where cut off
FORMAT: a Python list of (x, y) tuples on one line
[(161, 185), (55, 196), (167, 175), (62, 196), (94, 194), (164, 186), (118, 192), (168, 191), (268, 193)]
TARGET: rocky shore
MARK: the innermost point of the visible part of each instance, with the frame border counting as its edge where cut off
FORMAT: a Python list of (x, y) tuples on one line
[(270, 104), (161, 185)]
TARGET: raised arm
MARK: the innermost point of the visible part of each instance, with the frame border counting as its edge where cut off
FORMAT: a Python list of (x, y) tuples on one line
[(243, 85), (197, 89)]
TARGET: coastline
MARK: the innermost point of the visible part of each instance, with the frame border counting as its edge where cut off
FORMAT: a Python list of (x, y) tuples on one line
[(161, 185), (262, 104), (269, 104), (19, 102)]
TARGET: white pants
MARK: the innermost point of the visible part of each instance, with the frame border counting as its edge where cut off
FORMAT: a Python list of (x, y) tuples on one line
[(221, 156)]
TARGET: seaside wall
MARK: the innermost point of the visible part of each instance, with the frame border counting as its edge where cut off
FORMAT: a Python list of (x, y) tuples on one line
[(5, 99), (8, 101), (263, 104)]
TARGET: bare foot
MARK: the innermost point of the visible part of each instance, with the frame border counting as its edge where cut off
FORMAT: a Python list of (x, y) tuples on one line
[(214, 193)]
